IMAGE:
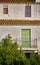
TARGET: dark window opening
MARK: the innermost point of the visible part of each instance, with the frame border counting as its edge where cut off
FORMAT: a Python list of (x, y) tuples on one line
[(33, 0), (28, 11), (5, 9)]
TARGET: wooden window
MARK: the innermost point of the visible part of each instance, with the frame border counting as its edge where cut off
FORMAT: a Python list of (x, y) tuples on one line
[(5, 9), (28, 11)]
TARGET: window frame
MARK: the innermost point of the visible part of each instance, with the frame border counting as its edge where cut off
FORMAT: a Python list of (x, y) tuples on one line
[(27, 14), (5, 9)]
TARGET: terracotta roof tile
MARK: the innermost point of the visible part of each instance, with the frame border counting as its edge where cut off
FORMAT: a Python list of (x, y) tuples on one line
[(15, 1), (19, 22)]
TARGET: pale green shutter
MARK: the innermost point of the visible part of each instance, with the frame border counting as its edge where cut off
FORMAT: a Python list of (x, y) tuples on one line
[(26, 37)]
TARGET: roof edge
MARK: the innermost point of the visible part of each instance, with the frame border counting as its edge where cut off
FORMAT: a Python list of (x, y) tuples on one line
[(19, 22)]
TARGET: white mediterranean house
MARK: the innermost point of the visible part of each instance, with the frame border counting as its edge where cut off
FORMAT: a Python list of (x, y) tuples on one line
[(21, 19)]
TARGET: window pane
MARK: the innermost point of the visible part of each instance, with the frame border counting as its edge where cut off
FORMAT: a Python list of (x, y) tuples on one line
[(5, 10), (28, 11)]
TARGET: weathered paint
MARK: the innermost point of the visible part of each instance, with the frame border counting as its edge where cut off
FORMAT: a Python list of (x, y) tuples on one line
[(17, 11), (15, 31)]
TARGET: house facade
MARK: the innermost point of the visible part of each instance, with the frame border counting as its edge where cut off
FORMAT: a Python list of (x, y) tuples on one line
[(21, 19)]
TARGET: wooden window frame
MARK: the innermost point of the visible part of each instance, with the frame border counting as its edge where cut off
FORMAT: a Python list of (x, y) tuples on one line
[(5, 9)]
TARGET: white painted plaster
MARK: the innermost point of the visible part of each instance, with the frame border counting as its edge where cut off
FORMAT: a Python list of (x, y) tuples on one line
[(37, 0), (15, 31), (17, 12)]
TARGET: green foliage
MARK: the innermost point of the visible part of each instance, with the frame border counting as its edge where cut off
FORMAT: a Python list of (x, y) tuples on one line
[(7, 40), (34, 59), (1, 52), (10, 55)]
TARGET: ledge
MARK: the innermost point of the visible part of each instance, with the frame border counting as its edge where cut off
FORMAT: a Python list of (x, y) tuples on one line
[(15, 1), (19, 22)]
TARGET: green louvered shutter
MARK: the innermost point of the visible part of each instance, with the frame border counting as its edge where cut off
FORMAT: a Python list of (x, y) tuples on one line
[(26, 37)]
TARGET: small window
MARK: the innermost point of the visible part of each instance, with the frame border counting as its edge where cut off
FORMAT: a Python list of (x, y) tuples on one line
[(28, 11), (5, 9)]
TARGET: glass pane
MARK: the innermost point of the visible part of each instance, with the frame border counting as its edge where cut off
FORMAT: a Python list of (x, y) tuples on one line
[(5, 10), (28, 11)]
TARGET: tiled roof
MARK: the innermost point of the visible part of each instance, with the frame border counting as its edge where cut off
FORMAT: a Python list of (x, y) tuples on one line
[(19, 22), (15, 1)]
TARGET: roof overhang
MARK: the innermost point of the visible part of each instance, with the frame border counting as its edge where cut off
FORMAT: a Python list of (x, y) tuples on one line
[(19, 22), (15, 1)]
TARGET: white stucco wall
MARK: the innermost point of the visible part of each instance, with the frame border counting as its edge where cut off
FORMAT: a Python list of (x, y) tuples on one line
[(15, 31), (17, 11), (37, 0)]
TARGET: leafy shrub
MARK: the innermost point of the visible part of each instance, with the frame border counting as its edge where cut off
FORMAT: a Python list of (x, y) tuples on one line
[(9, 53), (34, 59)]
